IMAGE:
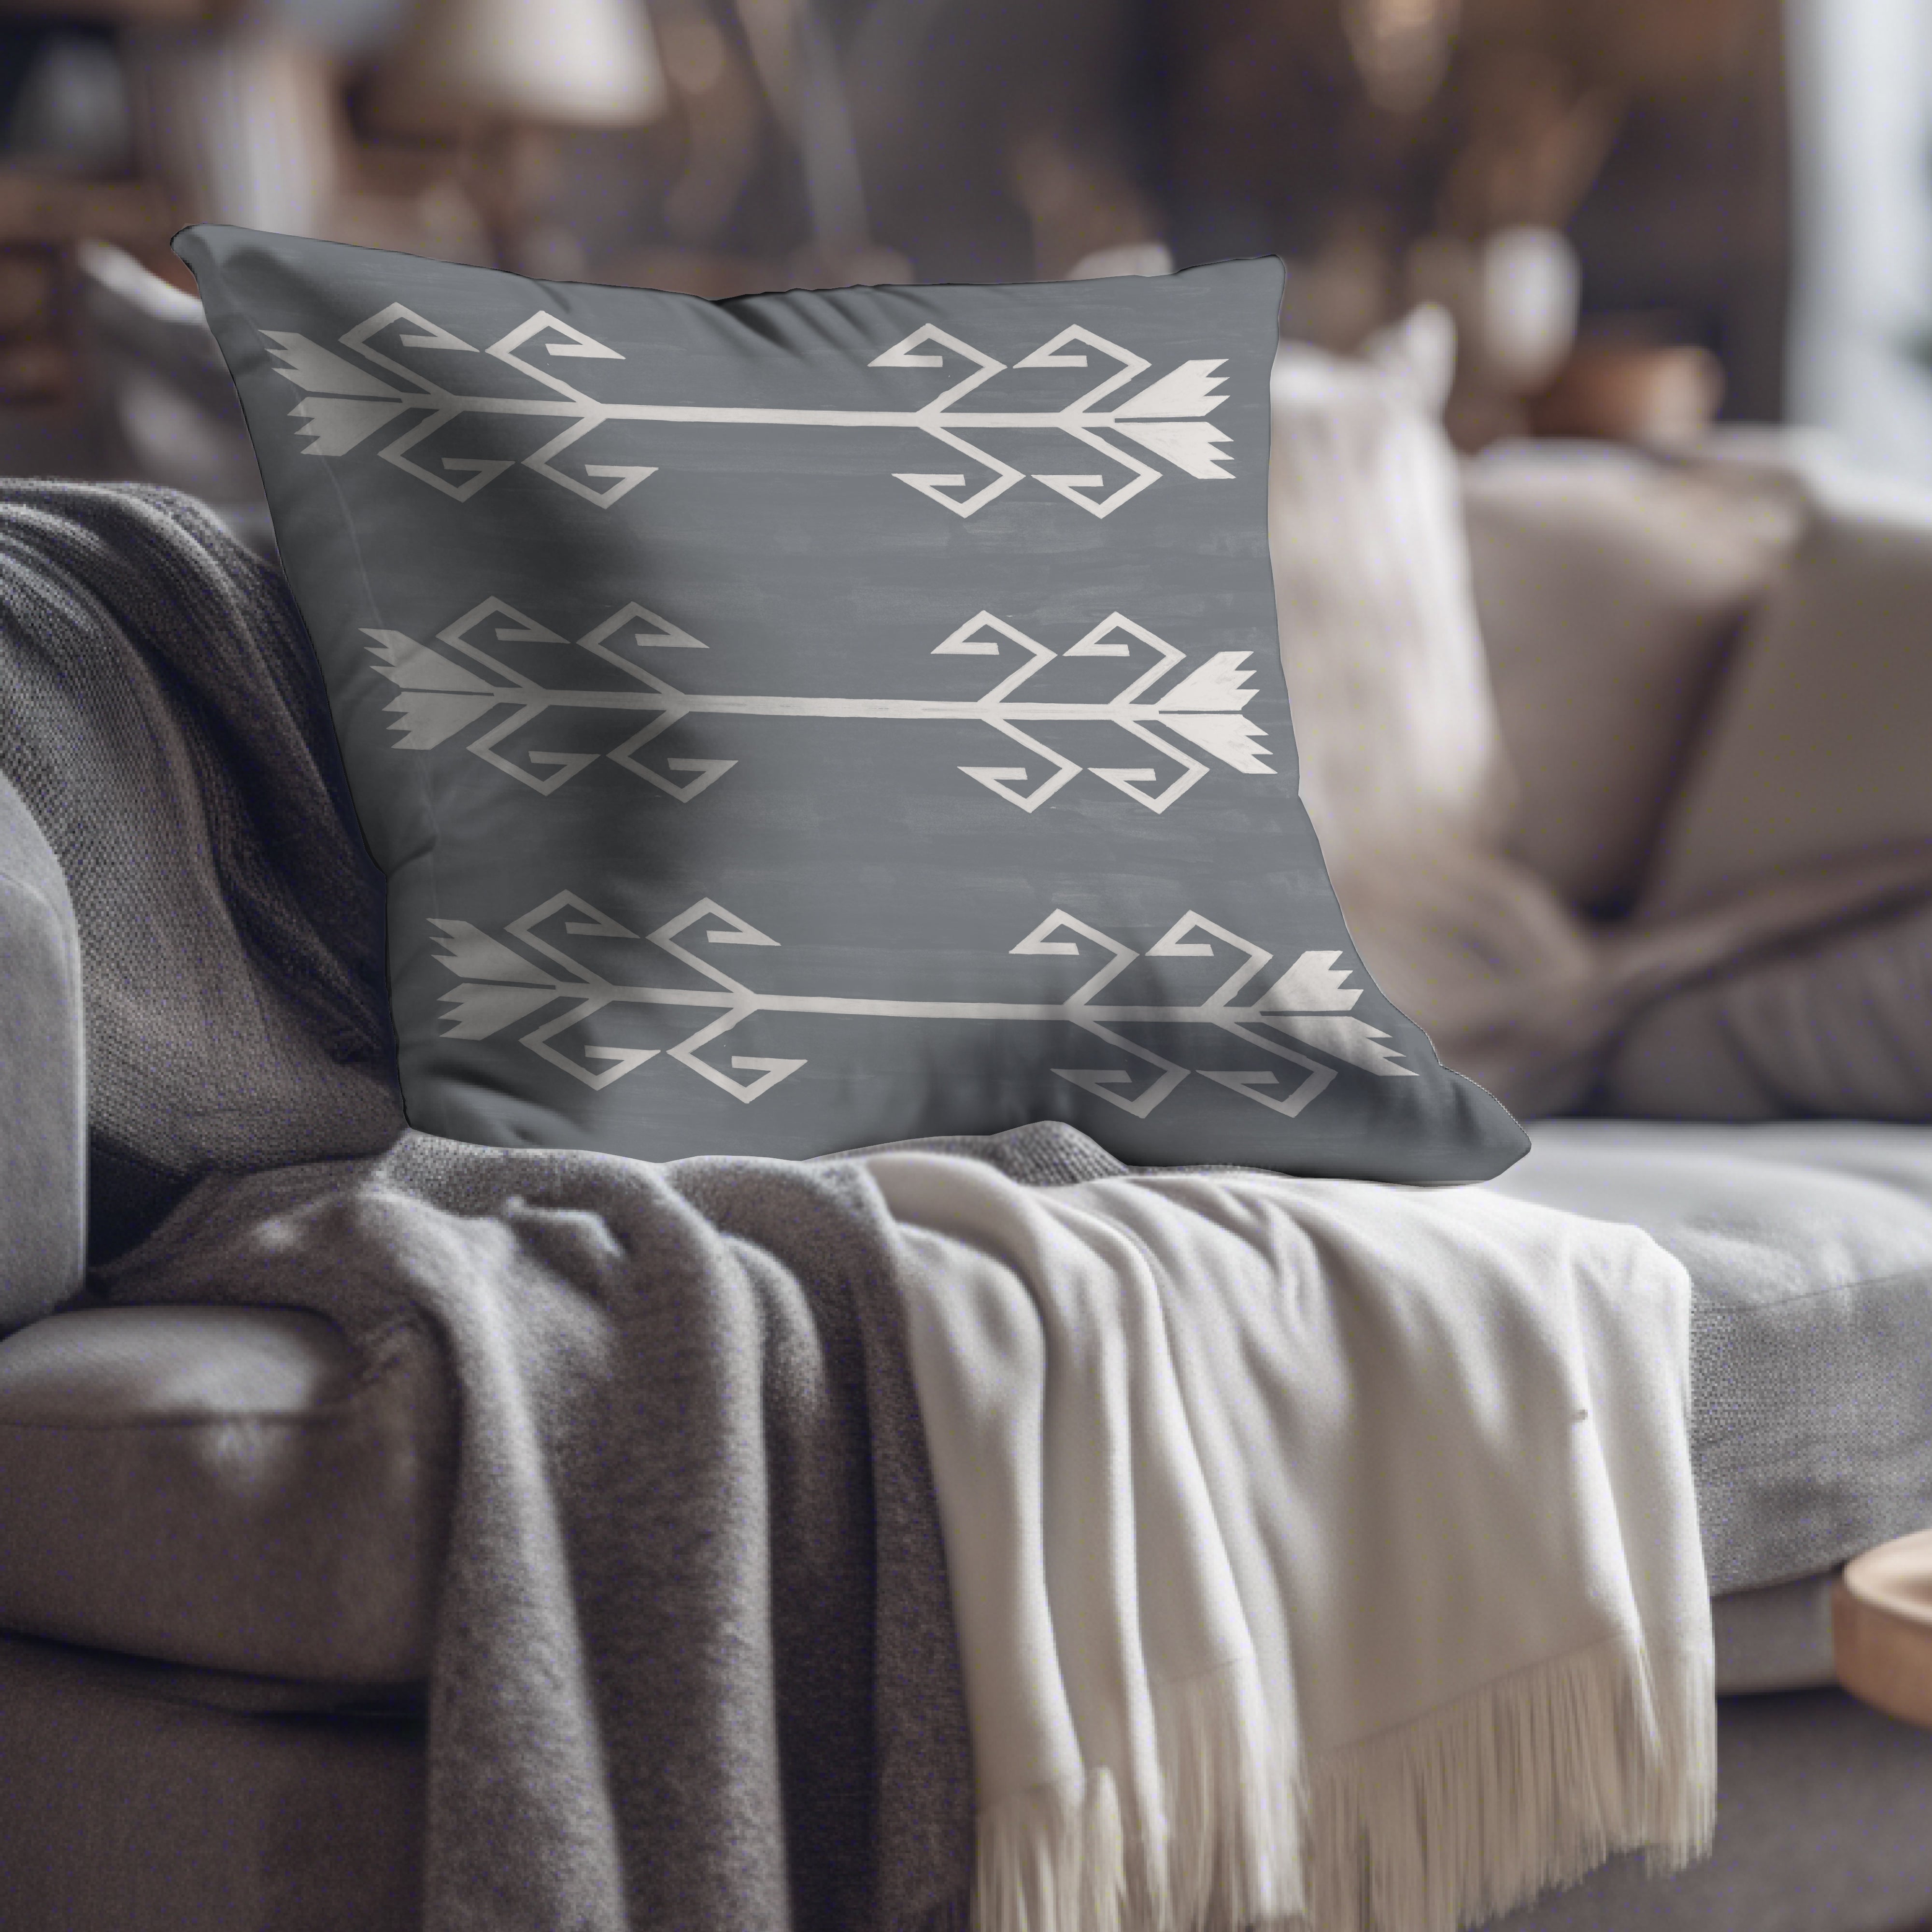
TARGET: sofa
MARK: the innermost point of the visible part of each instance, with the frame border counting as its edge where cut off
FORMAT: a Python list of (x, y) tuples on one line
[(220, 1529)]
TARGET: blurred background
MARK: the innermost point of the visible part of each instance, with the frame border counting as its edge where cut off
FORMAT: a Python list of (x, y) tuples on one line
[(1642, 213)]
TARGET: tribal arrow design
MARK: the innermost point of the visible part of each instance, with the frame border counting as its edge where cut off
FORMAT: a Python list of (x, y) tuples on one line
[(441, 696), (345, 403), (1310, 1002)]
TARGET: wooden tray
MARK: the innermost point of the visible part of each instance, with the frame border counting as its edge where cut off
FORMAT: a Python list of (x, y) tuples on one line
[(1882, 1627)]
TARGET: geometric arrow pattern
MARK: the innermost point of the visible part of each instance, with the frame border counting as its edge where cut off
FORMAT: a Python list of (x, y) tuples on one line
[(345, 402), (444, 693), (500, 985)]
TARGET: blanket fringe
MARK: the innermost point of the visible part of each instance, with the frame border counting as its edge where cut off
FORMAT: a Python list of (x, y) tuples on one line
[(1236, 1828), (1052, 1859), (1683, 1817), (1529, 1783), (1225, 1850)]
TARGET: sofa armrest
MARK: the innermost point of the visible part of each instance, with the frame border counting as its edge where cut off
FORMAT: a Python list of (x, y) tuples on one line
[(43, 1111)]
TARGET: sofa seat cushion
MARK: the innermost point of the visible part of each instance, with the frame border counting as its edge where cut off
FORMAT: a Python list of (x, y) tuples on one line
[(1809, 1245), (235, 1488)]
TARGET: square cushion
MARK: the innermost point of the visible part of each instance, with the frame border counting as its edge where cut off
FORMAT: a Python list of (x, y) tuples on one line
[(767, 755), (1610, 585), (1816, 747)]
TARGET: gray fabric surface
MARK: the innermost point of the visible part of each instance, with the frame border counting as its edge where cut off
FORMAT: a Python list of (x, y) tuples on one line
[(1778, 1638), (232, 1488), (43, 1171), (235, 1488), (125, 1807), (1810, 1250), (164, 724), (1838, 1027), (693, 1661), (794, 764)]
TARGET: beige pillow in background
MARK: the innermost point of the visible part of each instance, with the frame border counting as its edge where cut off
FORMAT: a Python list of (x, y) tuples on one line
[(1819, 744), (1816, 759), (1609, 586)]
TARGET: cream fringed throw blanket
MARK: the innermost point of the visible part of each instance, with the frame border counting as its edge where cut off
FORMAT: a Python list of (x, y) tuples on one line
[(1314, 1545)]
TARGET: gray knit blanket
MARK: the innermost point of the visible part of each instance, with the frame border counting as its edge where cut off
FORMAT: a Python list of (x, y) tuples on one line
[(694, 1663)]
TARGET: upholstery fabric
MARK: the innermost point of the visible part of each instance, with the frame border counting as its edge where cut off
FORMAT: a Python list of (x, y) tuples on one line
[(1816, 747), (235, 1488), (694, 1660), (728, 760), (1609, 586), (1810, 1250), (1839, 1027), (1776, 1639), (43, 1130), (132, 1805)]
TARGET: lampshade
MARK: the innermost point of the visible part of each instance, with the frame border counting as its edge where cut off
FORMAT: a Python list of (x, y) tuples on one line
[(570, 63)]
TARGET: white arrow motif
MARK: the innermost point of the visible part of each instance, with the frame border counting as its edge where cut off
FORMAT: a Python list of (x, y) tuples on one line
[(441, 695), (499, 987), (344, 404)]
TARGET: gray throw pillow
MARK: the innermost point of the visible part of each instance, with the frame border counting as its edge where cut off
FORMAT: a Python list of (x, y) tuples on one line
[(818, 719)]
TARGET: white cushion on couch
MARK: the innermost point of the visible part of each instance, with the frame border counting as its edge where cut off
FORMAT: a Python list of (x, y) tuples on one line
[(1395, 727)]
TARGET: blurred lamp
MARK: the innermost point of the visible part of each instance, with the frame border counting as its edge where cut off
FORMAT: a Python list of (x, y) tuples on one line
[(500, 76), (1529, 287), (1401, 48)]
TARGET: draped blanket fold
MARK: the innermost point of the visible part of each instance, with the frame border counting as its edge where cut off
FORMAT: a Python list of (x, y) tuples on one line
[(1316, 1547), (969, 1527)]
